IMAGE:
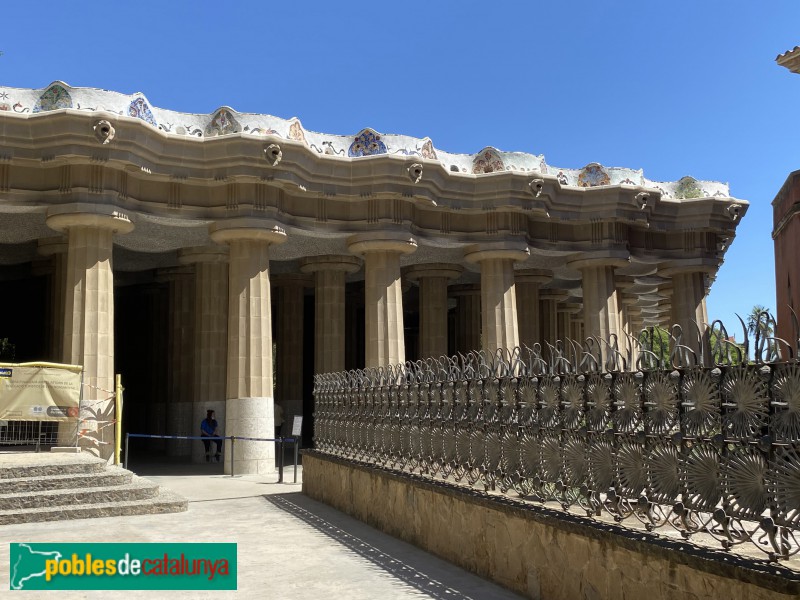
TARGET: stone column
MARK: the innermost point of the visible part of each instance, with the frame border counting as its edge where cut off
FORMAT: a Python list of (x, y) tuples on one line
[(89, 312), (688, 302), (181, 345), (528, 311), (56, 249), (289, 346), (249, 406), (383, 294), (600, 308), (329, 308), (468, 317), (210, 336), (566, 312), (498, 296), (549, 301), (432, 279)]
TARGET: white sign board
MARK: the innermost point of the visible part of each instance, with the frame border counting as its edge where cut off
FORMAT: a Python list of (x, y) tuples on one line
[(297, 425)]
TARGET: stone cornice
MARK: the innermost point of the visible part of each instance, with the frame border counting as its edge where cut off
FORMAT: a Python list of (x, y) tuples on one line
[(227, 122)]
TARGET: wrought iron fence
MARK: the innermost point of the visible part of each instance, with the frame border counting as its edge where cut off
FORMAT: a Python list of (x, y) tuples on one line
[(656, 439)]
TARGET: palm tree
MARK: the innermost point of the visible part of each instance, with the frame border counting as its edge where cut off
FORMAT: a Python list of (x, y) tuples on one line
[(761, 325)]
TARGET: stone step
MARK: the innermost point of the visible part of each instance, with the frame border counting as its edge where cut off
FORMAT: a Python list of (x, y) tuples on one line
[(46, 464), (163, 502), (112, 476), (136, 489)]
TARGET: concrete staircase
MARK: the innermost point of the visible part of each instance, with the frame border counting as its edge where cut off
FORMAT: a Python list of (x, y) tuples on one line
[(55, 487)]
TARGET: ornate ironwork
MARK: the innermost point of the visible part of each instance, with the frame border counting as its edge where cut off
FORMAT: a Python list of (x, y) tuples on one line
[(697, 442)]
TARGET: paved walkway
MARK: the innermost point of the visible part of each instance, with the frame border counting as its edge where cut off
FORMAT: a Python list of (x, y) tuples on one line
[(289, 546)]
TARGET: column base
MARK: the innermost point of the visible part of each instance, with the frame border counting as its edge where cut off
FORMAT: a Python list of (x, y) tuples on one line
[(250, 417)]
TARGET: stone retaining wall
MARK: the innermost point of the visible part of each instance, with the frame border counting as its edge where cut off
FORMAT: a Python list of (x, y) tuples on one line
[(533, 550)]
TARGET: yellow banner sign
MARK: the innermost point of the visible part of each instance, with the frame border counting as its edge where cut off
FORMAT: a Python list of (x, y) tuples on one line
[(39, 392)]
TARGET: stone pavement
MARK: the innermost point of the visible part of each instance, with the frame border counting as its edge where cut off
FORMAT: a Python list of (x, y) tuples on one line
[(289, 546)]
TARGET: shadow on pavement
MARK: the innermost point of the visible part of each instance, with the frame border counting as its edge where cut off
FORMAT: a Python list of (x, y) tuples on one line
[(433, 576)]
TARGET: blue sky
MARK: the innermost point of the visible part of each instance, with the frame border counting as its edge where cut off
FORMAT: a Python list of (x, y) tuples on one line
[(676, 88)]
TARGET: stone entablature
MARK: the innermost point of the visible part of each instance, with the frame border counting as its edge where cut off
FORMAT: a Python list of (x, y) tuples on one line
[(173, 186)]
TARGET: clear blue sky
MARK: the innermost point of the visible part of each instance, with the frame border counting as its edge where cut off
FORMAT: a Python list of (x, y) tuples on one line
[(676, 88)]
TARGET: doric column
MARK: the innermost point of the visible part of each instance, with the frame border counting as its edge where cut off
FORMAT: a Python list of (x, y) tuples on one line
[(688, 300), (329, 308), (249, 406), (498, 296), (383, 294), (289, 345), (566, 312), (528, 311), (210, 335), (89, 308), (549, 301), (56, 249), (600, 308), (180, 281), (432, 279), (468, 317)]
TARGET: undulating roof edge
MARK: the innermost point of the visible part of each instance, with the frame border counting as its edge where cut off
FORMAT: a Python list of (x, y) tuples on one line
[(367, 142)]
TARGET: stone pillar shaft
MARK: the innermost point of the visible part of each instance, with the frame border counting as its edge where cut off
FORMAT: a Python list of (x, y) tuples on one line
[(210, 316), (329, 318), (385, 338), (249, 407), (688, 307), (600, 310), (468, 320), (181, 353), (433, 321), (89, 312), (499, 304), (289, 366), (383, 294), (329, 309)]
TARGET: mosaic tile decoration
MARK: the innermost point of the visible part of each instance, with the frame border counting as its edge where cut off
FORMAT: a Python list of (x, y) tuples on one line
[(53, 98), (139, 110), (368, 142)]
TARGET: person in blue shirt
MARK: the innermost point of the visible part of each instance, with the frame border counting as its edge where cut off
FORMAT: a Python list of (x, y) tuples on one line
[(209, 428)]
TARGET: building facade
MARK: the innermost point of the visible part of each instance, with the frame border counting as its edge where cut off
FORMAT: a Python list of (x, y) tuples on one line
[(182, 250), (786, 233)]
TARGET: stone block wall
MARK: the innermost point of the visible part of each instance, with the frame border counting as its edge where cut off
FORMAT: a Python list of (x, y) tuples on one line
[(535, 551)]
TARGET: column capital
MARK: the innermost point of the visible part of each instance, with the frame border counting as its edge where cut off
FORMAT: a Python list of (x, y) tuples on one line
[(62, 217), (247, 228), (419, 271), (382, 241), (510, 250), (465, 289), (689, 265), (330, 262), (290, 279), (572, 308), (166, 274), (612, 258), (539, 276), (203, 254), (554, 294), (52, 245)]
